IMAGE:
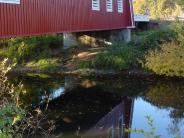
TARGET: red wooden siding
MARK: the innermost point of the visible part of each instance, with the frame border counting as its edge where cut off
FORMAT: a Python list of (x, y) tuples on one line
[(36, 17)]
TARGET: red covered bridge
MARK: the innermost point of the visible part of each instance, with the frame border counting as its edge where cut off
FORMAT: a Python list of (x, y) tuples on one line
[(36, 17)]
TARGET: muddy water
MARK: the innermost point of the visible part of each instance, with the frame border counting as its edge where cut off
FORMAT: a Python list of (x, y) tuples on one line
[(92, 108)]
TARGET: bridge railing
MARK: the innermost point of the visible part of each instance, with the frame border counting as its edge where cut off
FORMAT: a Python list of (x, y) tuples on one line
[(141, 18)]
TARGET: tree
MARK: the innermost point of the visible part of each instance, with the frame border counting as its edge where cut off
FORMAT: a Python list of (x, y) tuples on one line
[(157, 8)]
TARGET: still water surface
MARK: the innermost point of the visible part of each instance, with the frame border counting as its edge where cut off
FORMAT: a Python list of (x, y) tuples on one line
[(91, 107)]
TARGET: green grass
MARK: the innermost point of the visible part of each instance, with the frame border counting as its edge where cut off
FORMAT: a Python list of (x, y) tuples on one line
[(115, 57), (39, 75), (45, 64), (127, 56)]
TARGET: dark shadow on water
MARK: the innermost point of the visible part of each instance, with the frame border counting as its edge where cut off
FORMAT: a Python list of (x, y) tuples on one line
[(94, 107)]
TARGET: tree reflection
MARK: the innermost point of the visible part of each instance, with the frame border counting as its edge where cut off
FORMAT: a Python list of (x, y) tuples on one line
[(175, 127), (169, 96), (36, 88)]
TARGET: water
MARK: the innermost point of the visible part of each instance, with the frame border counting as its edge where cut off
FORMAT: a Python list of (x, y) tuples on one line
[(91, 107)]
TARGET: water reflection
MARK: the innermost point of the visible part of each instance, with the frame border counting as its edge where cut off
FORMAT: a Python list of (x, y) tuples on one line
[(114, 123), (90, 107), (53, 95), (167, 95), (163, 123)]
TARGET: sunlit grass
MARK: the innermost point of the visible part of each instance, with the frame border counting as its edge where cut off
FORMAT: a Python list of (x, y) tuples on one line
[(47, 64)]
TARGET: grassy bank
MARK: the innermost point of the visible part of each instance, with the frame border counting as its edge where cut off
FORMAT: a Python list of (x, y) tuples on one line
[(41, 52), (160, 52)]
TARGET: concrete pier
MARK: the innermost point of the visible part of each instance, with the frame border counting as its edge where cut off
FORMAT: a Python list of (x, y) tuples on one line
[(123, 35), (69, 39), (96, 38)]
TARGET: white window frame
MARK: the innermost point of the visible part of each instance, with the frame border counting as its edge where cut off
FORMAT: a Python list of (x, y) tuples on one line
[(109, 5), (96, 5), (120, 6), (10, 1)]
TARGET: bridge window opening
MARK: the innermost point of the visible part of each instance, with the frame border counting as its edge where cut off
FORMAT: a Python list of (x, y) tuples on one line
[(109, 5), (96, 5), (120, 6)]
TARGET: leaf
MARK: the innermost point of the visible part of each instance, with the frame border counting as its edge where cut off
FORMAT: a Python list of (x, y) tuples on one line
[(16, 119)]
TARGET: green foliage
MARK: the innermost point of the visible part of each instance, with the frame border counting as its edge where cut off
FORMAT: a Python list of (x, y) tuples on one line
[(167, 60), (180, 2), (161, 52), (39, 75), (10, 114), (126, 56), (47, 64), (10, 111), (167, 56), (178, 29), (115, 57), (21, 50), (15, 120), (152, 39), (157, 9)]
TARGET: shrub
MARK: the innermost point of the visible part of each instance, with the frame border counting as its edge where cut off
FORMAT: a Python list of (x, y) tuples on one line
[(10, 111), (178, 28), (15, 120), (10, 114), (152, 39), (168, 60), (21, 50), (115, 57)]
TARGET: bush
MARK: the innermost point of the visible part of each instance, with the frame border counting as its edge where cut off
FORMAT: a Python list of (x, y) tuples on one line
[(15, 120), (10, 111), (115, 57), (152, 39), (168, 60), (178, 28), (21, 50), (10, 114)]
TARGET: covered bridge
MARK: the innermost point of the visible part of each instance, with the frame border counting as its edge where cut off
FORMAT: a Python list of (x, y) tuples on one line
[(37, 17)]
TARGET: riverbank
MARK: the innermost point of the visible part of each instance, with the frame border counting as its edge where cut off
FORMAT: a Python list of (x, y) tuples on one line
[(156, 53), (71, 62)]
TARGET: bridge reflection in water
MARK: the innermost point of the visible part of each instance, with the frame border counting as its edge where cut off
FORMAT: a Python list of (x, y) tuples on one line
[(89, 111), (90, 108), (82, 108), (113, 124)]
